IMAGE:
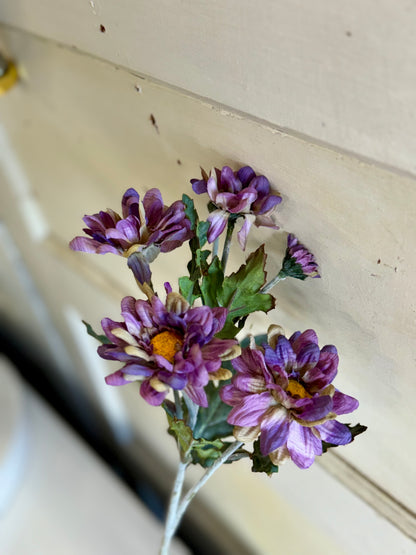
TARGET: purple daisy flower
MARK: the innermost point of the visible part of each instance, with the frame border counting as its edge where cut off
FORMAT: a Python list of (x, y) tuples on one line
[(167, 346), (283, 393), (241, 193), (145, 229), (298, 262)]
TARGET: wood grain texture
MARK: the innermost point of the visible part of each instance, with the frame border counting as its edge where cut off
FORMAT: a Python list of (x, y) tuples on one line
[(341, 72)]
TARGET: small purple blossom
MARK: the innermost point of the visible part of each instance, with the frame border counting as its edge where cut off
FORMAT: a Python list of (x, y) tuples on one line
[(145, 229), (283, 393), (241, 193), (167, 346), (298, 262)]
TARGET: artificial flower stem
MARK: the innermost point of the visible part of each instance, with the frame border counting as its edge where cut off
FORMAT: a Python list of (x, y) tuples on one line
[(227, 242), (178, 404), (194, 490), (192, 411), (215, 248), (172, 518), (273, 282)]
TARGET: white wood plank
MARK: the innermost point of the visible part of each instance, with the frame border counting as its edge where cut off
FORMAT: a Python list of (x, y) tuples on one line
[(343, 73)]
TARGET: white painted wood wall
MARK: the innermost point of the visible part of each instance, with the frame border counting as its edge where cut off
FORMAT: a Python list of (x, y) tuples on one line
[(318, 96)]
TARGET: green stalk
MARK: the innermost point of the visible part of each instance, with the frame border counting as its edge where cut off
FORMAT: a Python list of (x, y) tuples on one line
[(273, 282), (227, 242)]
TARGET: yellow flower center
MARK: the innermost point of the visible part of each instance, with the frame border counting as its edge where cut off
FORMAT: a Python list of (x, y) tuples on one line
[(166, 344), (297, 389)]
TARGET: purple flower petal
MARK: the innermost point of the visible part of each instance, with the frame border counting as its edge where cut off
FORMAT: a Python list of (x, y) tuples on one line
[(239, 193), (86, 244), (231, 395), (315, 408), (153, 207), (199, 186), (343, 404), (245, 175), (229, 182), (243, 233), (218, 220), (274, 430), (308, 356), (140, 267), (197, 395), (250, 410), (117, 378), (303, 445), (150, 394), (299, 340), (130, 202), (282, 356), (171, 346), (334, 432)]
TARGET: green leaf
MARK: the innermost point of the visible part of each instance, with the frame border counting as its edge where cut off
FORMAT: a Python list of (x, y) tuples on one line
[(293, 269), (355, 431), (211, 283), (190, 211), (182, 433), (206, 452), (101, 338), (260, 462), (201, 232), (212, 422), (259, 340), (201, 260), (189, 289), (199, 451), (240, 292)]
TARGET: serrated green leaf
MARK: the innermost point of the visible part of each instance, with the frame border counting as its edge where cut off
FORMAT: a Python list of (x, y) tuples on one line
[(211, 283), (101, 338), (355, 431), (240, 292), (260, 462), (212, 422)]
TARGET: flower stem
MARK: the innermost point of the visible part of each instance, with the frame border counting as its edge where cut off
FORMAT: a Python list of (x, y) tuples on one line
[(192, 411), (227, 242), (172, 519), (215, 248), (273, 282), (194, 490)]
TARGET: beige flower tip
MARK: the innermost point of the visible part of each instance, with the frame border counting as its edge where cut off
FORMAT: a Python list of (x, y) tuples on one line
[(233, 352), (246, 433), (221, 374), (176, 303), (273, 333)]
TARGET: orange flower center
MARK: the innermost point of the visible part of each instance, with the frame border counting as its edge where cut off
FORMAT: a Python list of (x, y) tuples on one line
[(297, 390), (166, 344)]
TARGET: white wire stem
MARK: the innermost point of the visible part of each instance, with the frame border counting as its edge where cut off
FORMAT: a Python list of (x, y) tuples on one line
[(272, 283), (194, 490), (172, 518)]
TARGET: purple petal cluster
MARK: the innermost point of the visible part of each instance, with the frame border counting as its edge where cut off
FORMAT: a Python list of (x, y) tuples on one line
[(167, 346), (298, 262), (283, 393), (240, 193), (141, 225)]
